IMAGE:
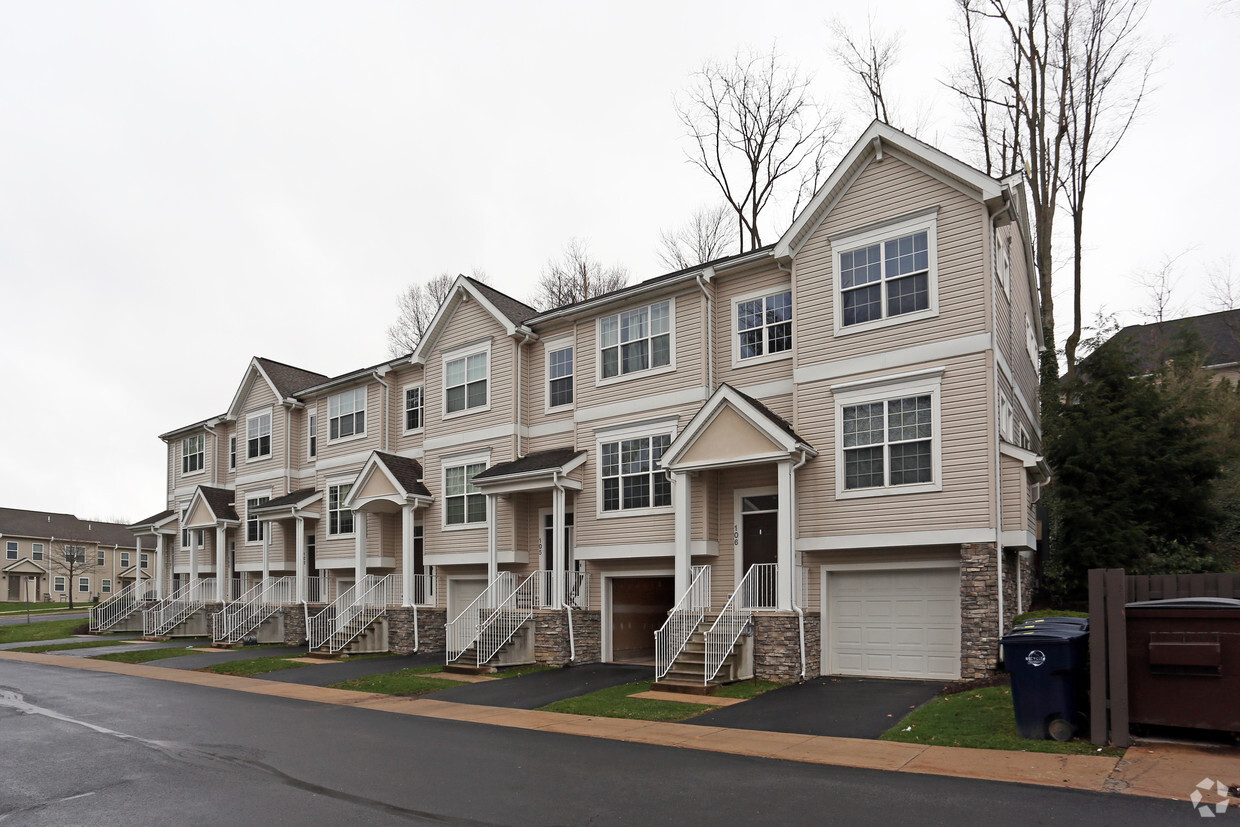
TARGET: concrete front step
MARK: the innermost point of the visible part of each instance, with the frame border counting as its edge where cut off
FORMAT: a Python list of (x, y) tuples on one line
[(685, 686)]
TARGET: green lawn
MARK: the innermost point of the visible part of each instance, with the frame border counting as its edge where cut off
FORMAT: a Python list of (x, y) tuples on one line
[(57, 647), (43, 630), (1020, 618), (9, 607), (412, 681), (982, 719), (145, 655), (253, 666), (616, 702)]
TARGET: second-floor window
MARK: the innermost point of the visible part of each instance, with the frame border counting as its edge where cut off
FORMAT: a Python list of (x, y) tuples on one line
[(465, 382), (312, 428), (889, 443), (764, 325), (99, 558), (36, 551), (346, 414), (83, 584), (339, 518), (144, 560), (414, 408), (631, 474), (560, 377), (232, 452), (192, 454), (464, 502), (124, 559), (10, 550), (886, 274), (258, 435), (635, 340), (255, 528)]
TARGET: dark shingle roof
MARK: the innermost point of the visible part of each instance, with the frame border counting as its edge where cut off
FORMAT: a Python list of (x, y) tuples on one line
[(155, 518), (287, 378), (536, 461), (516, 311), (408, 472), (19, 522), (291, 498), (784, 425), (1217, 335), (221, 501)]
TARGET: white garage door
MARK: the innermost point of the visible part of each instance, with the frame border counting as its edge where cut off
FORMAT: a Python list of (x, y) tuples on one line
[(898, 624)]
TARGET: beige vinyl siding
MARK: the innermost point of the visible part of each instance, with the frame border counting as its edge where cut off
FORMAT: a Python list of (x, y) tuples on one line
[(1023, 304), (1015, 507), (725, 527), (259, 398), (470, 324), (888, 190), (534, 390), (763, 282), (400, 379), (350, 446)]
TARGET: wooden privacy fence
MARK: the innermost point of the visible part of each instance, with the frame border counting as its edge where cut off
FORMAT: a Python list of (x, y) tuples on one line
[(1109, 591)]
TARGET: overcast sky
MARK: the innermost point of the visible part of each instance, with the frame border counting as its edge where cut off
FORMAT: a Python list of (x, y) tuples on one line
[(185, 185)]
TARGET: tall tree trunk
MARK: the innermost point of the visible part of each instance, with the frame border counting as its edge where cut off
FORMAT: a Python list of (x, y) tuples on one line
[(1074, 338)]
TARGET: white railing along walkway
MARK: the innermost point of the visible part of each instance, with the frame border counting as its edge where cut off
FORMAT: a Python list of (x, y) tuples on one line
[(121, 605), (670, 640), (239, 619), (320, 627), (167, 613), (576, 590), (219, 619), (423, 591), (507, 618), (755, 592), (461, 632)]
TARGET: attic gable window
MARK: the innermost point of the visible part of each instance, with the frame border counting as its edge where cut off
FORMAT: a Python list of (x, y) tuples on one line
[(258, 435), (346, 414), (886, 275), (635, 340), (193, 454)]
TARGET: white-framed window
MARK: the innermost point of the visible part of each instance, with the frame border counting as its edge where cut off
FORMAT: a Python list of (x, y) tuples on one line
[(99, 557), (58, 584), (763, 327), (560, 372), (124, 559), (888, 435), (1031, 341), (1007, 419), (193, 454), (632, 478), (339, 518), (232, 453), (144, 560), (105, 586), (466, 380), (185, 535), (255, 529), (258, 435), (83, 584), (415, 408), (1003, 262), (1025, 441), (10, 550), (464, 504), (75, 554), (346, 415), (886, 275), (36, 551), (636, 340), (312, 431)]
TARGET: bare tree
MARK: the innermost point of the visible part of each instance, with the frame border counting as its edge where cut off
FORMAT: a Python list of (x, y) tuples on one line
[(1160, 284), (758, 133), (575, 276), (416, 307), (868, 58), (705, 237), (1109, 74), (1222, 286), (988, 102), (70, 560)]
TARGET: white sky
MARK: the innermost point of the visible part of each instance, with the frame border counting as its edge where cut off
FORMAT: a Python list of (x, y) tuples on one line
[(183, 186)]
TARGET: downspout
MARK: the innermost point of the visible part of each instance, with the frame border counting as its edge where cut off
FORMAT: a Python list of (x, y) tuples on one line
[(800, 610), (525, 339), (702, 278), (215, 449), (568, 610), (994, 372)]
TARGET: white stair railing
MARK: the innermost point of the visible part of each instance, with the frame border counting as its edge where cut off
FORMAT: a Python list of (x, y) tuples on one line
[(239, 619), (576, 590), (121, 605), (220, 619), (755, 592), (316, 589), (370, 603), (167, 613), (461, 632), (682, 622), (319, 627), (507, 618)]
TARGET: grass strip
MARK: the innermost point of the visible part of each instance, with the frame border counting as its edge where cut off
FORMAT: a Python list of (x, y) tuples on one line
[(146, 655), (44, 630), (1021, 618), (745, 689), (253, 666), (411, 681), (615, 702), (60, 647), (980, 719)]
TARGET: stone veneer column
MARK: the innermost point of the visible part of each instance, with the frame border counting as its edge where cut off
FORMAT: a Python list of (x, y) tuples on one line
[(979, 610)]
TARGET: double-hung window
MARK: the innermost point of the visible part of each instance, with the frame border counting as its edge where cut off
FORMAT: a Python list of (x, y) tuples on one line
[(232, 453), (346, 414), (258, 435), (465, 382), (36, 551), (99, 558), (255, 529), (1003, 263), (58, 584), (193, 454), (75, 554), (185, 534), (464, 502), (887, 275), (106, 586), (124, 559), (312, 429), (1031, 342), (10, 550), (415, 408), (631, 473), (888, 436), (83, 584), (764, 326), (560, 377), (144, 560), (339, 518), (636, 340)]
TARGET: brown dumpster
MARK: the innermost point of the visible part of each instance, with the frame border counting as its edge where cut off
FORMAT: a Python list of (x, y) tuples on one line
[(1184, 662)]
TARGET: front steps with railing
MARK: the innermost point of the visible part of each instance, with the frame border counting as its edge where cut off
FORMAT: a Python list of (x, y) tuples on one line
[(257, 614), (181, 614), (356, 621), (122, 612)]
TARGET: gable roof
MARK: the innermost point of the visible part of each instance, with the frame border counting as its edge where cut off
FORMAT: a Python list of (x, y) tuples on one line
[(286, 379), (407, 472), (294, 498), (219, 500), (549, 460), (516, 310), (776, 429), (19, 522), (1216, 334), (510, 313)]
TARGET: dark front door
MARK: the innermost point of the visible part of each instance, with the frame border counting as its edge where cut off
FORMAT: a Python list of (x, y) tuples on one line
[(639, 606), (15, 587), (759, 546)]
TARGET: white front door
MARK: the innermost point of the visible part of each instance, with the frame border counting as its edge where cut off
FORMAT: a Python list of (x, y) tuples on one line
[(900, 623)]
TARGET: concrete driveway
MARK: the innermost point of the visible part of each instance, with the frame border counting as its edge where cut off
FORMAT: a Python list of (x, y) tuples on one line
[(840, 707)]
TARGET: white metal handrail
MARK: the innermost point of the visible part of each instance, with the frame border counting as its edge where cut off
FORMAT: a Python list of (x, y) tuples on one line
[(576, 590), (170, 611), (461, 632), (755, 592), (319, 627), (219, 619), (239, 619), (423, 593), (121, 605), (370, 602), (316, 589), (507, 618), (682, 622)]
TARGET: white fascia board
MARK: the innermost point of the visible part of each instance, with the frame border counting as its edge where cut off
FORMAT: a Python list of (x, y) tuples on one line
[(254, 368), (445, 311)]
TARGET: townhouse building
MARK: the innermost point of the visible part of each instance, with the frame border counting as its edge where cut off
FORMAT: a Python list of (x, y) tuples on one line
[(818, 457)]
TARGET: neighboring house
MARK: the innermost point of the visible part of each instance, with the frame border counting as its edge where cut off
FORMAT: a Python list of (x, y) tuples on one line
[(31, 539), (1215, 336), (853, 410)]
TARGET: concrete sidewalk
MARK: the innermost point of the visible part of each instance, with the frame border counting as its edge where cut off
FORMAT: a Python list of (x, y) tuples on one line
[(1169, 771)]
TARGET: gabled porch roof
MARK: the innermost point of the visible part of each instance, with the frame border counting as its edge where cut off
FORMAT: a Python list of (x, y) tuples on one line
[(730, 429), (210, 507), (24, 567), (388, 478), (160, 523), (535, 471)]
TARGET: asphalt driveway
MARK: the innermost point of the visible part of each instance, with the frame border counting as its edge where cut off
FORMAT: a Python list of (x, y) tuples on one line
[(840, 707), (541, 688), (325, 674)]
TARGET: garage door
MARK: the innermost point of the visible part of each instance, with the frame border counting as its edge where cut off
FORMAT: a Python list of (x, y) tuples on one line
[(898, 624), (639, 606)]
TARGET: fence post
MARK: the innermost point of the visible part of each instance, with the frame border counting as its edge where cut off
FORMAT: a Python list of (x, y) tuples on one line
[(1117, 660), (1097, 658)]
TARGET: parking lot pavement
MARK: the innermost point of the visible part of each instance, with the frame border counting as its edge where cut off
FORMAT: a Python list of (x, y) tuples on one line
[(538, 689)]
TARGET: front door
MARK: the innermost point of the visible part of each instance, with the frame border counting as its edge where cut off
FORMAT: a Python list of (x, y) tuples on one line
[(574, 583), (15, 587), (759, 545)]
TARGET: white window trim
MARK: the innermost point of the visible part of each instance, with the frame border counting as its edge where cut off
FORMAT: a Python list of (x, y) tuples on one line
[(737, 361), (365, 409), (36, 551), (404, 401), (83, 582), (124, 559), (245, 522), (349, 479), (925, 221), (454, 461), (105, 586), (11, 550), (464, 352), (1007, 418), (654, 428), (232, 453), (203, 469), (312, 416), (100, 559), (58, 583), (550, 346), (918, 384), (271, 444), (1031, 342), (599, 381), (1003, 262)]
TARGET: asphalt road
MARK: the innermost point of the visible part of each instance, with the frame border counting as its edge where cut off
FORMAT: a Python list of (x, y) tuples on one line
[(93, 748)]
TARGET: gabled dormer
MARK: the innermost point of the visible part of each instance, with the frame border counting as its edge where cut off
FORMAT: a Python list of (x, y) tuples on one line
[(260, 411)]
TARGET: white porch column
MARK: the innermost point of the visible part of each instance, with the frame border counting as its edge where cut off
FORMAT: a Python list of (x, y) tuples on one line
[(783, 537), (193, 554), (160, 572), (684, 555), (492, 537), (266, 524), (406, 553), (301, 561), (221, 564), (359, 564), (558, 563)]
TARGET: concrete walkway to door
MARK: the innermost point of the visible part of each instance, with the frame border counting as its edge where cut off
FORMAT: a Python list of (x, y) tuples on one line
[(838, 707)]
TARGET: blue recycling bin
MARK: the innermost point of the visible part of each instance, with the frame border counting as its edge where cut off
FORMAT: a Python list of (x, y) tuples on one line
[(1047, 665)]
